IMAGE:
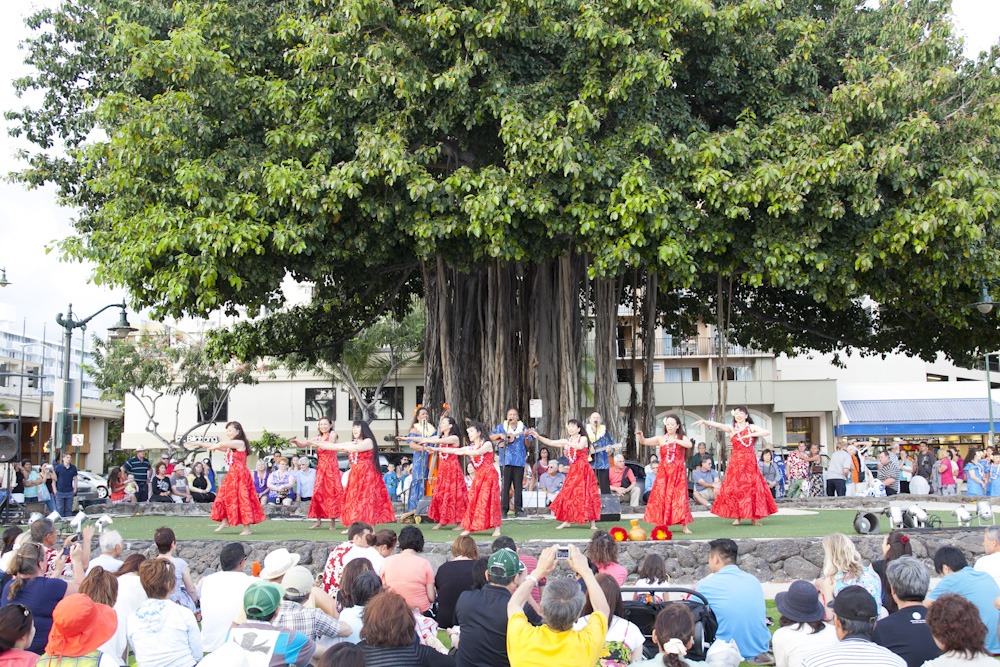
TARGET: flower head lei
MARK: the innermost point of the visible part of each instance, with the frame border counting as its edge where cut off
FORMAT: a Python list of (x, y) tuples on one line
[(417, 409)]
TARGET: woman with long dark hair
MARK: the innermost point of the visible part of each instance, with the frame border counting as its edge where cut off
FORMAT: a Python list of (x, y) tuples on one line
[(744, 493), (482, 510), (17, 631), (237, 503), (668, 499), (201, 486), (451, 497), (895, 545), (366, 498), (579, 500), (328, 493)]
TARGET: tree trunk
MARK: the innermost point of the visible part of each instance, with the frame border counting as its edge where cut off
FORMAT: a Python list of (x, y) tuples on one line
[(648, 350), (606, 354), (433, 360), (722, 341)]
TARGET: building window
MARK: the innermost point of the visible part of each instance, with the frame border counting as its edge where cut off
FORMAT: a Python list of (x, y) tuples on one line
[(934, 377), (657, 368), (680, 375), (625, 375), (420, 394), (4, 370), (801, 429), (737, 373), (321, 402), (211, 409), (388, 406)]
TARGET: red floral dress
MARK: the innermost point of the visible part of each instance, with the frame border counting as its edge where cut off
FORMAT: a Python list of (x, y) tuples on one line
[(579, 501), (451, 497), (668, 499), (366, 498), (237, 500), (483, 511), (744, 493), (328, 494)]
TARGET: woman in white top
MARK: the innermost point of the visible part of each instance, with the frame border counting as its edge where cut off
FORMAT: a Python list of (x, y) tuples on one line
[(957, 629), (131, 594), (801, 628), (623, 641), (162, 633)]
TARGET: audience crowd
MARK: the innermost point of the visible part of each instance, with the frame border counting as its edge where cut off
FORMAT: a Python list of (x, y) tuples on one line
[(380, 603)]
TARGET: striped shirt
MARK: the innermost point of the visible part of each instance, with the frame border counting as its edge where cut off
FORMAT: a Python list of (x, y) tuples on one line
[(889, 473), (853, 651), (138, 468)]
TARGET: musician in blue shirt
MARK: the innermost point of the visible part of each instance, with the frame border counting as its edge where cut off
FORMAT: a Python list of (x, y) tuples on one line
[(511, 437), (600, 443)]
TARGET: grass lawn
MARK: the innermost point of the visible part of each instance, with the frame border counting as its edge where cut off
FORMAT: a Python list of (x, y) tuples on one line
[(200, 528)]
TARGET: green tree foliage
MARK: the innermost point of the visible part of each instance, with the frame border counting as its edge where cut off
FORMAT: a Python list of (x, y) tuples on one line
[(150, 367), (799, 154)]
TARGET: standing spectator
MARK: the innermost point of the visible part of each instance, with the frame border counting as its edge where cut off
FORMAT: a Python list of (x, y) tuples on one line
[(769, 470), (854, 611), (388, 632), (138, 467), (409, 574), (66, 475), (603, 551), (623, 641), (925, 462), (695, 461), (287, 646), (311, 622), (990, 563), (815, 458), (79, 628), (366, 586), (797, 467), (888, 473), (895, 545), (305, 479), (391, 480), (562, 602), (111, 548), (837, 470), (160, 632), (979, 588), (738, 601), (647, 487), (706, 482), (222, 595), (993, 475), (946, 470), (801, 629), (955, 627), (454, 578), (906, 466), (184, 592), (904, 632), (481, 614), (975, 484), (17, 630), (32, 480), (623, 482)]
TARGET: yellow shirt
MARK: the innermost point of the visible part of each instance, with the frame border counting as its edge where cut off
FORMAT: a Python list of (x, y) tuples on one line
[(530, 646)]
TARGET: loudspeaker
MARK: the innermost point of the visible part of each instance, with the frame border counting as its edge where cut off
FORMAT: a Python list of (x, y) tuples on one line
[(611, 508), (9, 440), (422, 506)]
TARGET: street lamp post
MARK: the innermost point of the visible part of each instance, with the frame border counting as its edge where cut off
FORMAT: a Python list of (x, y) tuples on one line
[(68, 323), (985, 306)]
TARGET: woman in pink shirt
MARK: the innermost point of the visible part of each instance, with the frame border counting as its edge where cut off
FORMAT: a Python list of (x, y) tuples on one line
[(408, 574), (948, 487), (603, 551)]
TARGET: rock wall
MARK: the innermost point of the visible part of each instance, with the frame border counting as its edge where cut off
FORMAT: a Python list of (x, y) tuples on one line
[(775, 560)]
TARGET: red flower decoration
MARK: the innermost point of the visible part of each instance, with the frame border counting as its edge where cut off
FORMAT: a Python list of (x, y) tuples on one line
[(661, 533), (619, 534), (446, 407)]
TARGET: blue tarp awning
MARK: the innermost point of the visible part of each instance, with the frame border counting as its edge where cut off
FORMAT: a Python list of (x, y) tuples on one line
[(916, 416)]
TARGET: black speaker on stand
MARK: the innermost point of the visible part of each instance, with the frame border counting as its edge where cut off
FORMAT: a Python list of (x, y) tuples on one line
[(611, 507), (423, 505), (8, 452)]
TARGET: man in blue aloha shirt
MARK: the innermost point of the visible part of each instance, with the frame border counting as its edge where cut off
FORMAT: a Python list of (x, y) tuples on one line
[(600, 443), (510, 437)]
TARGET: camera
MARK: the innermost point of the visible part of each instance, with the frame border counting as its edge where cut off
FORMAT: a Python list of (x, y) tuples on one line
[(562, 553)]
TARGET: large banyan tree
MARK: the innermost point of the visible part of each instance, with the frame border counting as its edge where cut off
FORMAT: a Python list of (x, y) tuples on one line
[(527, 166)]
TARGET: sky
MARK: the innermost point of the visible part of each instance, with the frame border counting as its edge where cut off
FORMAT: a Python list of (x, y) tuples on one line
[(41, 285)]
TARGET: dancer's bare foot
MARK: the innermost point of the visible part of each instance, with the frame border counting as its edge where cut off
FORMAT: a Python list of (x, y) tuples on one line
[(593, 526), (459, 528), (318, 524), (496, 533), (687, 530), (436, 527), (756, 523), (564, 524), (246, 531), (464, 533), (333, 525), (222, 526), (344, 532), (736, 523)]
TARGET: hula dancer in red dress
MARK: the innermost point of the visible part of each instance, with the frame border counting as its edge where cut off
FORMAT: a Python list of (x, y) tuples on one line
[(483, 510), (668, 499), (328, 493), (450, 497), (366, 498), (579, 500), (236, 504), (744, 493)]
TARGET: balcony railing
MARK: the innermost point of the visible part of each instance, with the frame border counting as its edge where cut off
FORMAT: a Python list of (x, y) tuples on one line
[(701, 346)]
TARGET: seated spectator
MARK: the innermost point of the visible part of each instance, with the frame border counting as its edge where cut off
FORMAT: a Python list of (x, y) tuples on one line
[(385, 543), (990, 563), (551, 481), (843, 567), (159, 485), (55, 562), (556, 642), (695, 461), (529, 562), (17, 631), (287, 646), (221, 596), (623, 641), (904, 632), (888, 472), (102, 587), (738, 601), (481, 614), (854, 614), (305, 479), (276, 564), (654, 467), (408, 574), (603, 550), (179, 488), (956, 627), (389, 636), (37, 593), (162, 633), (281, 484), (454, 578), (353, 570), (131, 594), (479, 573), (979, 588), (311, 622), (111, 548), (801, 629), (343, 655), (366, 586), (79, 627), (706, 482), (653, 458), (623, 483), (184, 592), (652, 572), (895, 545), (201, 484), (359, 544), (673, 634)]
